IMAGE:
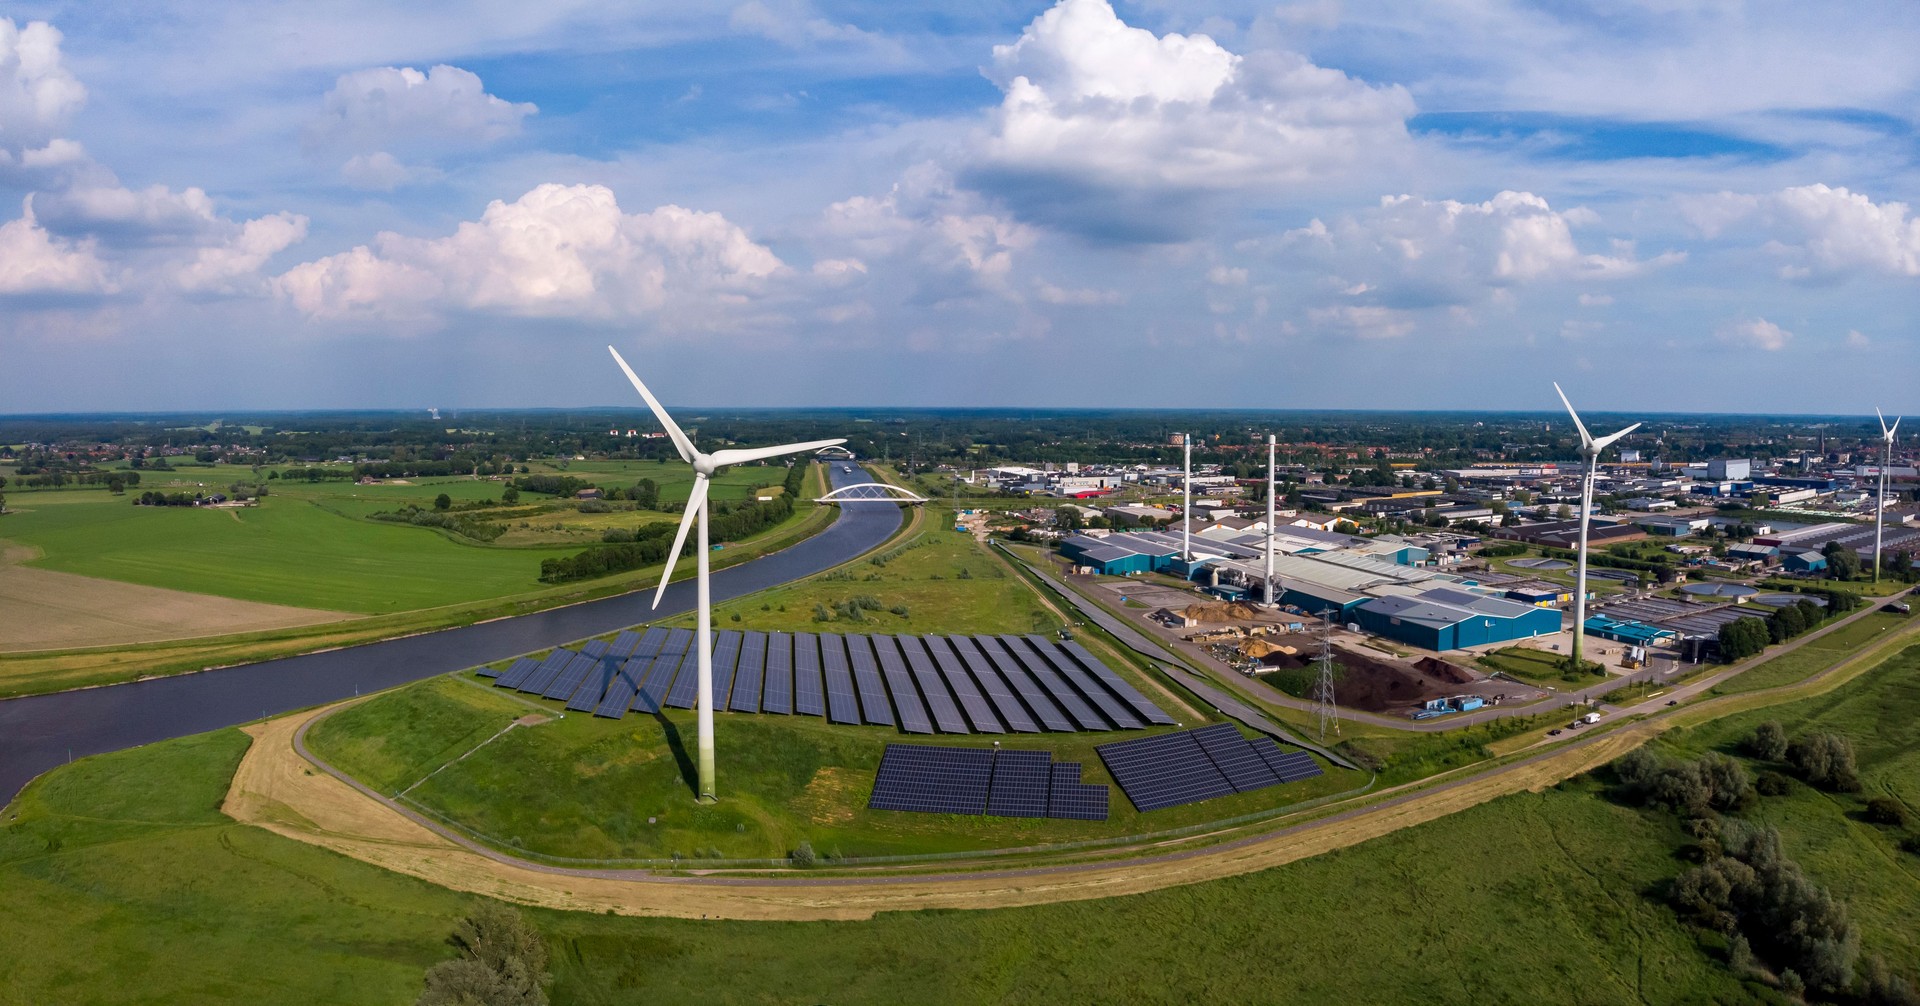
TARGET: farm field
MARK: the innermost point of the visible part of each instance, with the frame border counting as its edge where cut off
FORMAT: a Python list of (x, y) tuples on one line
[(786, 780)]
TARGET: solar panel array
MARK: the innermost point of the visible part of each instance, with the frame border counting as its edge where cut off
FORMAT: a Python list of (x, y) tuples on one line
[(918, 684), (1174, 769), (945, 780)]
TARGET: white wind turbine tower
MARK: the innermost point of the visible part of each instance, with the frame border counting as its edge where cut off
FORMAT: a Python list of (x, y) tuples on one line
[(1880, 512), (1590, 454), (704, 465)]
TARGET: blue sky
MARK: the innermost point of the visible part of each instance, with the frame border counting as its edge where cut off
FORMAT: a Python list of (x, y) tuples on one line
[(1671, 204)]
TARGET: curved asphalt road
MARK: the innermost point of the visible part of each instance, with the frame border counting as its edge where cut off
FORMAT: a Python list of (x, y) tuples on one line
[(39, 732)]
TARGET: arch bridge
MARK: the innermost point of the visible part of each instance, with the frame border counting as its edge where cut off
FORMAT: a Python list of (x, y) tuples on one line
[(872, 492)]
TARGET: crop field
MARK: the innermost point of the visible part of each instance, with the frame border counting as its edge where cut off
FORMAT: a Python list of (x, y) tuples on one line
[(627, 794)]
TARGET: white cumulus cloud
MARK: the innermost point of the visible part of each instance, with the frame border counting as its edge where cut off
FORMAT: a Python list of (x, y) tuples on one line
[(1820, 230), (1755, 333), (37, 91), (557, 251), (32, 261), (1099, 117), (386, 116)]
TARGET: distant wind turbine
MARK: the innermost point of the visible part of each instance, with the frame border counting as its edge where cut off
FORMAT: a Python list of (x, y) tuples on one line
[(1887, 434), (704, 465), (1590, 453)]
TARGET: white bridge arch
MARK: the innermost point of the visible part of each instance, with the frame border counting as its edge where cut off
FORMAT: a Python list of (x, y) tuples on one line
[(836, 452), (878, 492)]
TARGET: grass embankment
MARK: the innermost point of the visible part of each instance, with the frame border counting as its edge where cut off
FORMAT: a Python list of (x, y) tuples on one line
[(942, 578), (786, 779), (1815, 654), (45, 671), (1539, 666), (120, 865)]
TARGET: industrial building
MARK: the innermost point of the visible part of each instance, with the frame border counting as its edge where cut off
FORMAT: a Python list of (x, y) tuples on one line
[(1444, 618)]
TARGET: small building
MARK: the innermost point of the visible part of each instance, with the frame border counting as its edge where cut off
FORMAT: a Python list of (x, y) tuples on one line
[(1671, 527), (1803, 562), (1725, 469), (1753, 553), (1540, 593), (588, 494)]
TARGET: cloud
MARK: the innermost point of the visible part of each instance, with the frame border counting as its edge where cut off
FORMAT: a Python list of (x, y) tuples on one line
[(382, 172), (219, 266), (1109, 130), (1076, 297), (1821, 231), (33, 261), (1413, 252), (1755, 333), (1855, 340), (1364, 321), (37, 92), (559, 251), (940, 242), (1595, 300), (153, 215), (402, 109), (792, 24)]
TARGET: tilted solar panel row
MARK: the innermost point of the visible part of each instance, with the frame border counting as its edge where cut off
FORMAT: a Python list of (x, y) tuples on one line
[(776, 694), (1193, 765), (907, 704), (809, 691), (1117, 713), (542, 673), (1003, 783), (874, 707), (1141, 705), (1245, 770), (726, 653), (520, 667), (1063, 695), (1287, 766), (749, 673), (926, 676), (1031, 694), (991, 702), (842, 706), (619, 692)]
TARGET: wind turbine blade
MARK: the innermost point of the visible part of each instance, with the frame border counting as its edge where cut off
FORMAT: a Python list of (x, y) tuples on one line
[(695, 503), (1601, 444), (1585, 439), (742, 455), (1894, 430), (680, 441)]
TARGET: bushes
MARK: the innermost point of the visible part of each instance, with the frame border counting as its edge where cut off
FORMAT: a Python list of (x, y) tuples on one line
[(1887, 810), (503, 960), (1755, 890), (1825, 760), (551, 485), (1768, 743), (463, 526), (649, 545), (1712, 782)]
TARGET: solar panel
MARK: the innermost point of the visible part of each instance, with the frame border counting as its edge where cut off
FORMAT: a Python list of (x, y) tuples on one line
[(571, 677), (1070, 799), (621, 690), (954, 674), (599, 680), (520, 667), (1235, 758), (1062, 693), (776, 695), (543, 675), (1287, 766), (1021, 780), (933, 780), (1005, 704), (653, 675), (1117, 684), (1164, 771), (900, 684), (842, 707), (748, 674), (1116, 712), (809, 693), (867, 682), (926, 675), (624, 643), (1031, 694), (595, 648), (685, 690), (651, 642), (726, 652)]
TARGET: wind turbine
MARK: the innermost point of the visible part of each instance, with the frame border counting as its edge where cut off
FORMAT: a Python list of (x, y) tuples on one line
[(704, 465), (1880, 512), (1590, 452)]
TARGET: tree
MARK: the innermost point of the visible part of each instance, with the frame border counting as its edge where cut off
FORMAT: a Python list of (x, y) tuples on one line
[(1843, 563), (1826, 760), (443, 502), (502, 962), (1769, 741), (1564, 512), (510, 496)]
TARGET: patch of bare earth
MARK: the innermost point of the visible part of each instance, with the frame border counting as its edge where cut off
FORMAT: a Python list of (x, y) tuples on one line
[(42, 609)]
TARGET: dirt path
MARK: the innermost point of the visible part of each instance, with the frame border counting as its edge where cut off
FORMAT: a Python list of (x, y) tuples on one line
[(43, 609)]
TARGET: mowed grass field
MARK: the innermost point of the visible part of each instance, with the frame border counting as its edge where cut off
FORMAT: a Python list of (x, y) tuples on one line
[(121, 883), (590, 788), (284, 551)]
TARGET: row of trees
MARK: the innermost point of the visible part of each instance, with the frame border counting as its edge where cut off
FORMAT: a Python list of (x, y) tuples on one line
[(730, 521), (1744, 637)]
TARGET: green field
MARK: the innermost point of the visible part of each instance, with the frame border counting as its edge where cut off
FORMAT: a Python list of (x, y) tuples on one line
[(1815, 654), (1539, 666), (119, 866), (942, 577), (786, 779), (305, 545)]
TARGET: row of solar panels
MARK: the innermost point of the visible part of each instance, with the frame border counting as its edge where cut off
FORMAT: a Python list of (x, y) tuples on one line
[(1194, 765), (940, 780), (923, 685)]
